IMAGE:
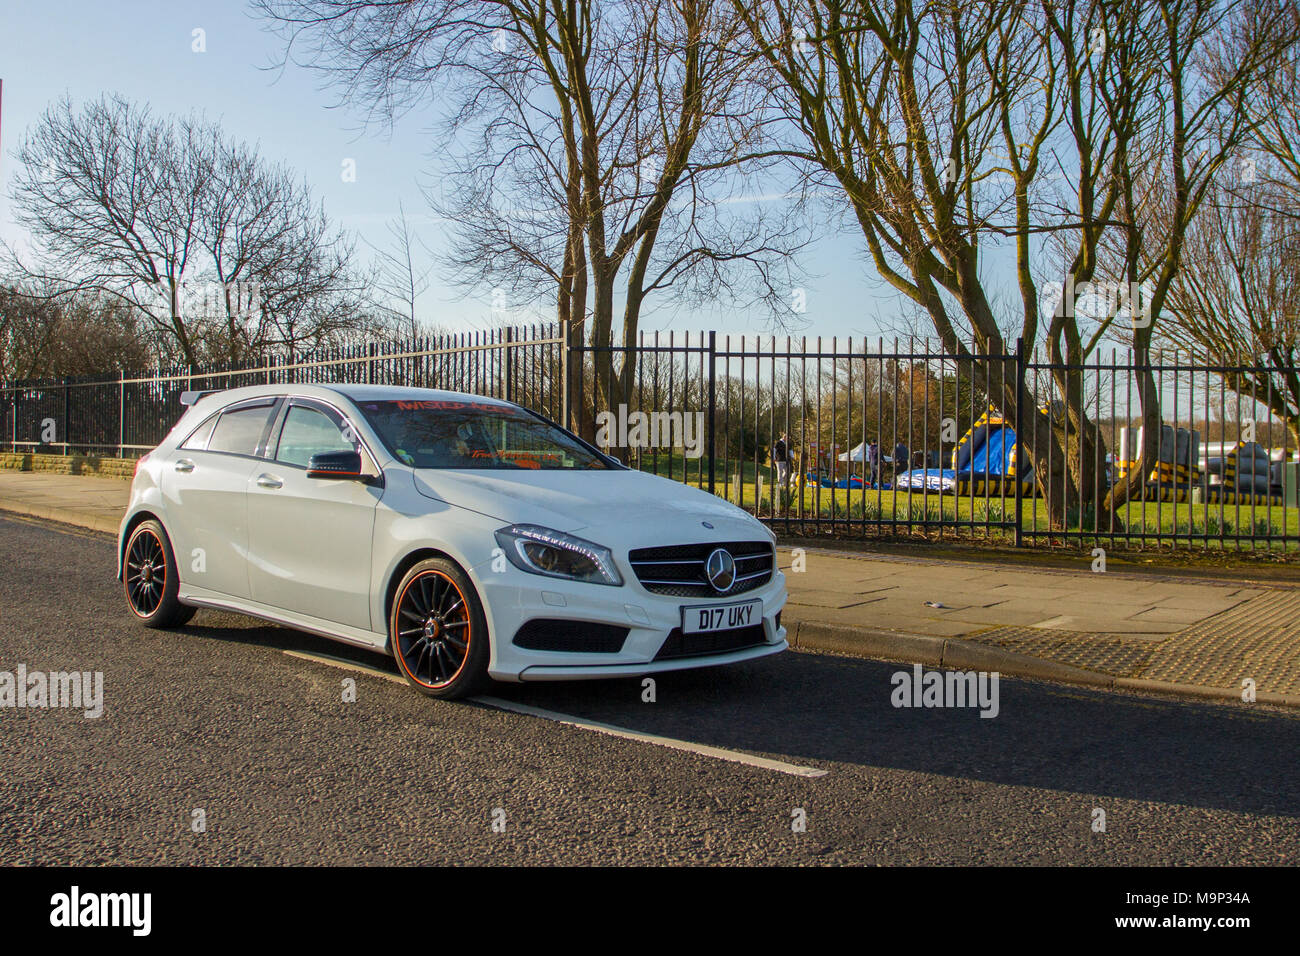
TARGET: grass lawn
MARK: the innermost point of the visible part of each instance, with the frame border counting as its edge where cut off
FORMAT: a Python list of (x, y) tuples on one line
[(1206, 525)]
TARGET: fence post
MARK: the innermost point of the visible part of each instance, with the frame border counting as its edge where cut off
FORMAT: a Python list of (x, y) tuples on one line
[(509, 364), (67, 414), (121, 414), (565, 372), (1020, 436), (713, 404)]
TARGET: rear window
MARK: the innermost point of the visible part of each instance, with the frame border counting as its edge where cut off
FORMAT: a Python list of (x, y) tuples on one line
[(239, 430)]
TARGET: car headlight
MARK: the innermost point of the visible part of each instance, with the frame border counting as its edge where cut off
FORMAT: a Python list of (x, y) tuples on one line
[(558, 555)]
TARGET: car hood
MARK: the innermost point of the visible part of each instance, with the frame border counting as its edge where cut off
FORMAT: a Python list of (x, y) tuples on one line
[(626, 507)]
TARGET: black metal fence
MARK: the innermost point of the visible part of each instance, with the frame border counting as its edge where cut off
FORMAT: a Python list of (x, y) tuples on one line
[(904, 439), (127, 416), (898, 439)]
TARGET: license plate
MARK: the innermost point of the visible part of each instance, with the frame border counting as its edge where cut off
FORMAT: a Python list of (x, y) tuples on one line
[(721, 617)]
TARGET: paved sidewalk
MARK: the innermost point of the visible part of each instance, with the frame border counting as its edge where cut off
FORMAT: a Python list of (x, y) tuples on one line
[(1116, 629), (84, 500), (1120, 630)]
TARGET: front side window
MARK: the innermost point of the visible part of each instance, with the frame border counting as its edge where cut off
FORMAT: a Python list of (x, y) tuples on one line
[(470, 434), (239, 430), (308, 431)]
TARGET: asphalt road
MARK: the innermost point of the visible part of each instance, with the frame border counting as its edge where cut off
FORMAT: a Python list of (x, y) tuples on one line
[(217, 717)]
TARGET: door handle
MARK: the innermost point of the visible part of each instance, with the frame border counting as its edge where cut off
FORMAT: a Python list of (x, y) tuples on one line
[(269, 481), (185, 465)]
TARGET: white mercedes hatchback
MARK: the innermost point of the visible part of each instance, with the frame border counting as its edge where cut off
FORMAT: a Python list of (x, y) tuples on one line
[(468, 537)]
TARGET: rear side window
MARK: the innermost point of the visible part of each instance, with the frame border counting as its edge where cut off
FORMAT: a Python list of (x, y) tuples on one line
[(239, 430), (198, 439)]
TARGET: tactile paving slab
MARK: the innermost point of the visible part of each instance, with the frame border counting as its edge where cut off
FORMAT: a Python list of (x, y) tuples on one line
[(1259, 639), (1106, 653)]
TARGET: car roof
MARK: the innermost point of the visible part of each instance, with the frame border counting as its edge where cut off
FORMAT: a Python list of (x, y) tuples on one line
[(354, 392), (388, 393), (213, 401)]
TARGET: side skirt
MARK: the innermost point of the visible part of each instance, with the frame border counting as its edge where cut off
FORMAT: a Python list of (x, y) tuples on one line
[(357, 637)]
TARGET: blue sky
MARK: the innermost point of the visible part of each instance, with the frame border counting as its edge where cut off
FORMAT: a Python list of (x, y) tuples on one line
[(142, 49)]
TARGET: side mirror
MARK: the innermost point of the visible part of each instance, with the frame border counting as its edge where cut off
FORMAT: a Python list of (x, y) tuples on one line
[(336, 465)]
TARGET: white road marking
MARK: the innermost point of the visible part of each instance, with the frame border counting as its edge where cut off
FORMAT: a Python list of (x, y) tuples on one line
[(347, 665), (672, 743)]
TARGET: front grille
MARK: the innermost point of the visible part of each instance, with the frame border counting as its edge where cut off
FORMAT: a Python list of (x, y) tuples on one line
[(715, 642), (575, 637), (678, 570)]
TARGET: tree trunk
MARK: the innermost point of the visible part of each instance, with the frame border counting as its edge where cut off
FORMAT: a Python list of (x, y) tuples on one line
[(602, 353)]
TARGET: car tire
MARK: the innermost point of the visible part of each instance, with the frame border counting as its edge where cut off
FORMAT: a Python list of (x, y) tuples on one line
[(148, 555), (437, 631)]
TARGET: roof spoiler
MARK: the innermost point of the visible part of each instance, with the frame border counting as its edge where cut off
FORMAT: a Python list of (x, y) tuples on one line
[(191, 398)]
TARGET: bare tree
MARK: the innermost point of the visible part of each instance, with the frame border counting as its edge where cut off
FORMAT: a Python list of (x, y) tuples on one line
[(27, 327), (75, 335), (104, 201), (223, 254), (1233, 305), (403, 274), (1035, 132), (594, 148)]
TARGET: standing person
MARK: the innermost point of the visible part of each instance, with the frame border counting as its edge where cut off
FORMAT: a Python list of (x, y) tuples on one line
[(901, 454), (873, 453), (781, 458)]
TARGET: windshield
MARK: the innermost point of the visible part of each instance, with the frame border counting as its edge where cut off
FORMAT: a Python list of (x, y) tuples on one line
[(469, 434)]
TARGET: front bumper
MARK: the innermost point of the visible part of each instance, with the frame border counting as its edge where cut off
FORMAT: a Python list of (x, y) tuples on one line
[(542, 672), (512, 598)]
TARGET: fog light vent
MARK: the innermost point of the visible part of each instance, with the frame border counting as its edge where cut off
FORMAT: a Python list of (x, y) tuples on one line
[(573, 637)]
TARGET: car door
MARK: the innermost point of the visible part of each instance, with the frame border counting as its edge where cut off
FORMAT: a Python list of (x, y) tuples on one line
[(310, 538), (205, 489)]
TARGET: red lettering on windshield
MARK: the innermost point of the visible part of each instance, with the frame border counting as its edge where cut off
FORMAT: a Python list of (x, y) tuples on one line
[(422, 405)]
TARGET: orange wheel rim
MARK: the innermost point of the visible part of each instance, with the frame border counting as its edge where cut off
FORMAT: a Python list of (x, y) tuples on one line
[(145, 578), (432, 629)]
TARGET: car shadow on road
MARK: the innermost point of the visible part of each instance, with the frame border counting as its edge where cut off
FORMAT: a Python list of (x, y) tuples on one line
[(239, 629), (823, 710)]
